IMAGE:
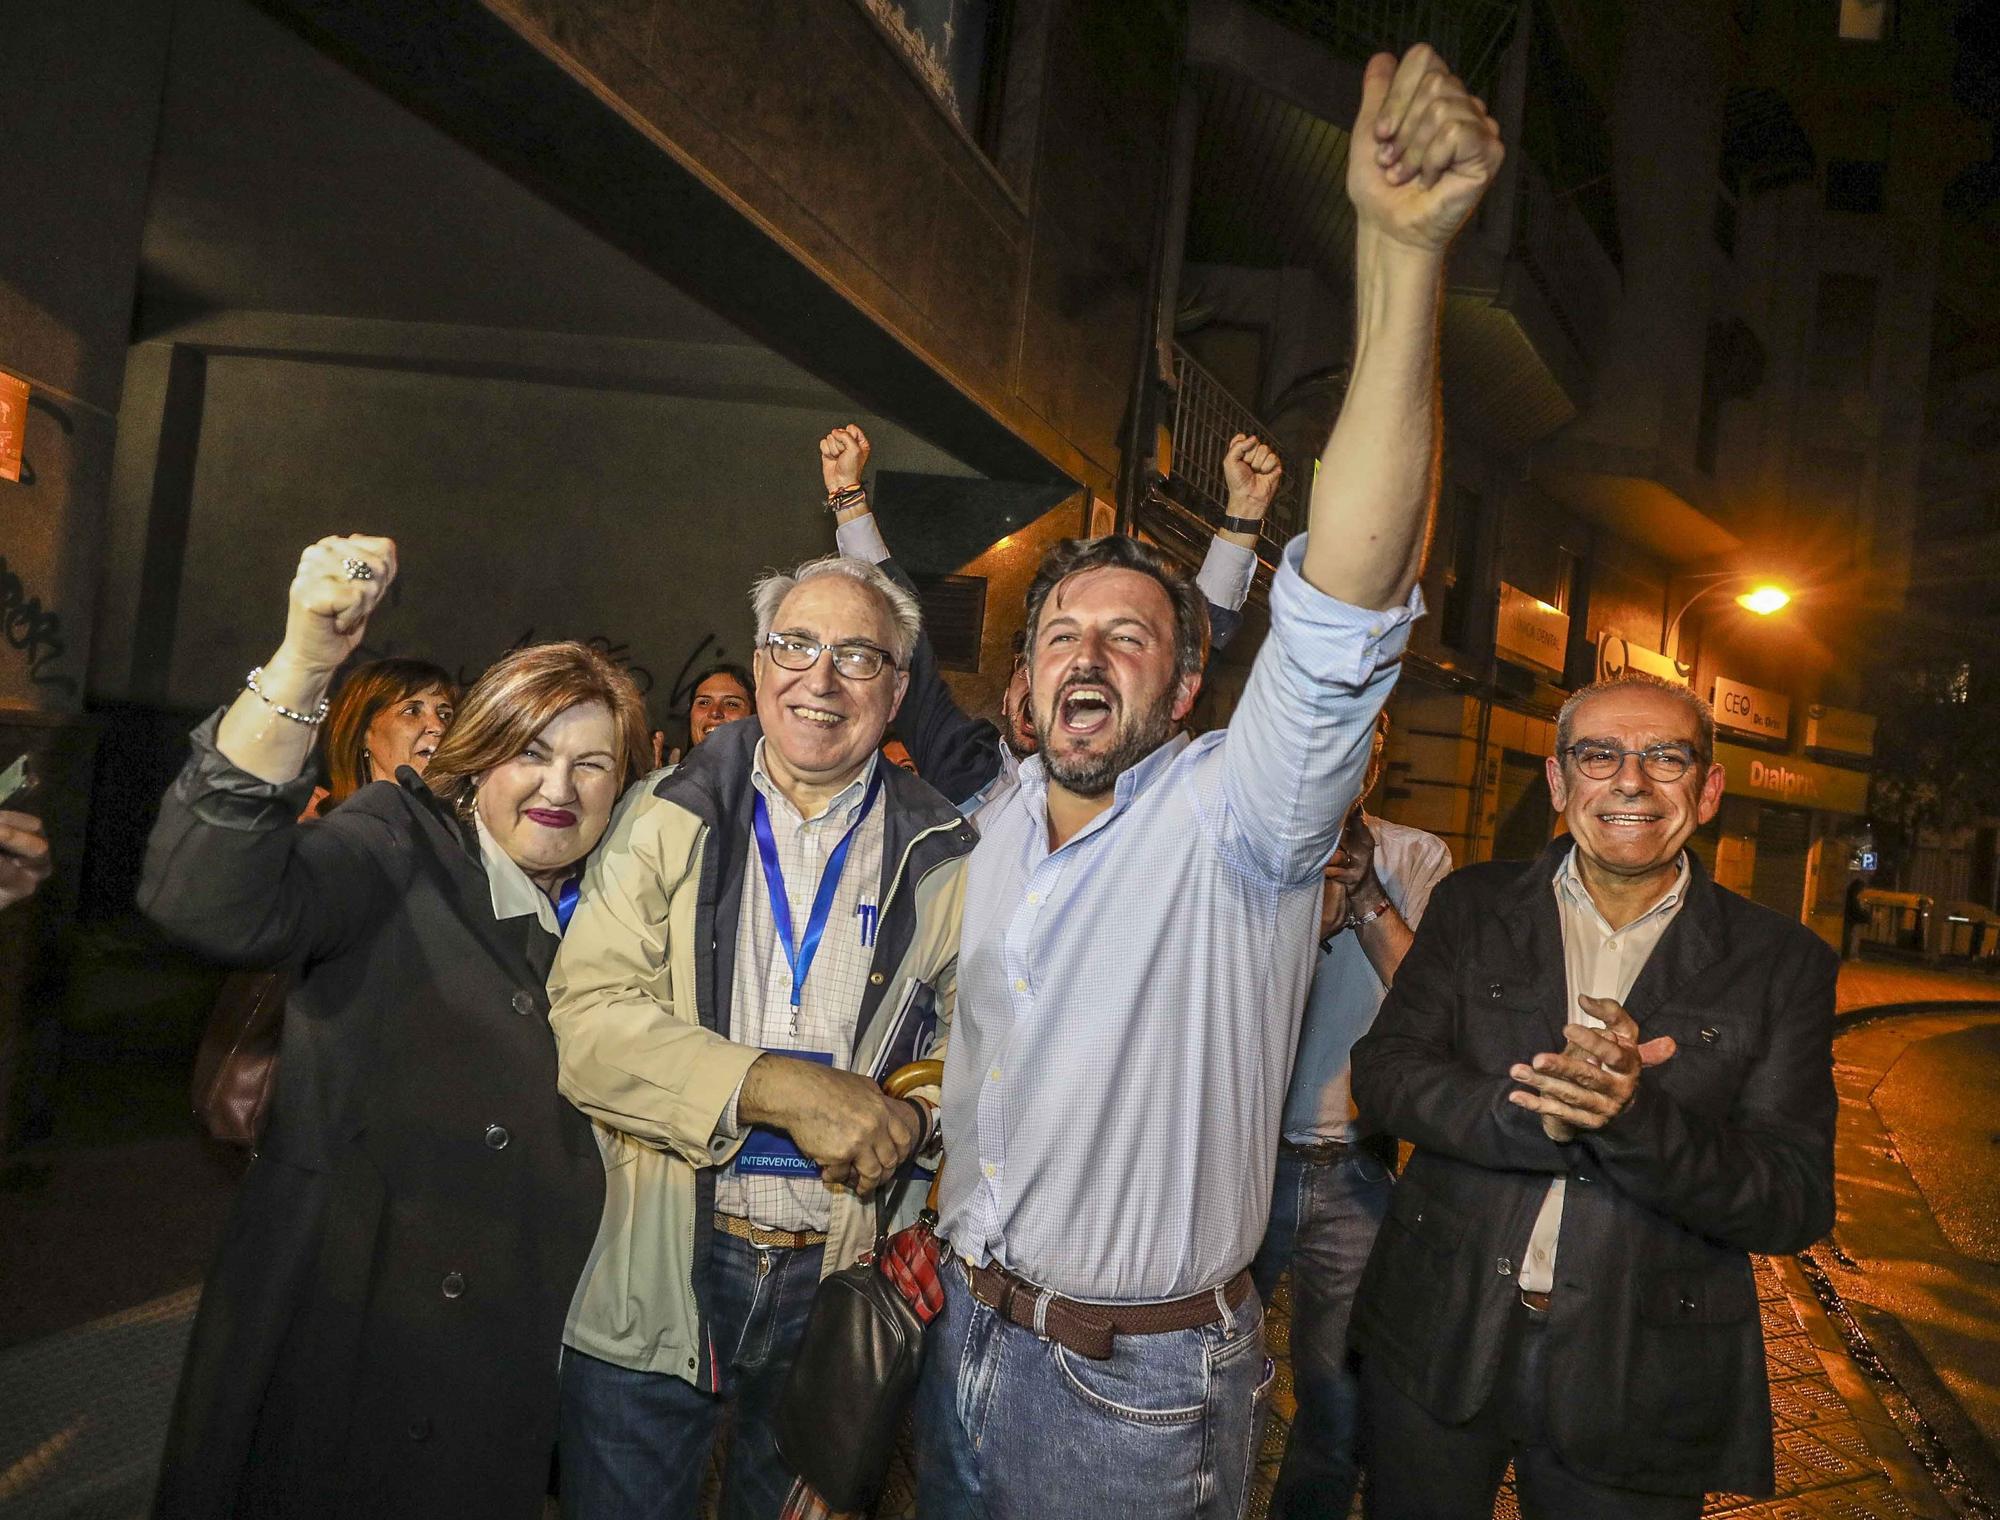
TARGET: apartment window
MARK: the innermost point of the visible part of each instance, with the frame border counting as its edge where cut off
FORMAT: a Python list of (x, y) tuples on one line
[(1854, 185), (1866, 20)]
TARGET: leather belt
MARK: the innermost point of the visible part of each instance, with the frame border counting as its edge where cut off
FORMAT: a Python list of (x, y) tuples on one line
[(757, 1235), (1090, 1329), (1332, 1152), (1539, 1302), (1321, 1152)]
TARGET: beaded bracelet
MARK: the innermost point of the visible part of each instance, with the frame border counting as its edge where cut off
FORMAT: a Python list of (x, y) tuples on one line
[(317, 717), (845, 497)]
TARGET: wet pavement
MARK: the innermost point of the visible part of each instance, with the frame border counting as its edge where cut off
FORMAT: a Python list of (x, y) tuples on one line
[(1883, 1341)]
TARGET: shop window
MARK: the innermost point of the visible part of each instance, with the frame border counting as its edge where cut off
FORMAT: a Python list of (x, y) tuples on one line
[(1867, 20)]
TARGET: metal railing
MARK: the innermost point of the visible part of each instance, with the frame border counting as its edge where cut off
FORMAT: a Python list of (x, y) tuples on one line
[(1205, 418)]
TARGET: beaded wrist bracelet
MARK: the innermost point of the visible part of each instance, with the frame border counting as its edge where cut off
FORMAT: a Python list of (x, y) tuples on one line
[(310, 720)]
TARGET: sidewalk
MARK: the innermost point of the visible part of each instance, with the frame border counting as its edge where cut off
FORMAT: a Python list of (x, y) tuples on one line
[(1867, 985), (83, 1406)]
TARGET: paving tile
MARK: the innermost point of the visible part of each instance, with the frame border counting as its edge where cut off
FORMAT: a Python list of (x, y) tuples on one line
[(1806, 1462)]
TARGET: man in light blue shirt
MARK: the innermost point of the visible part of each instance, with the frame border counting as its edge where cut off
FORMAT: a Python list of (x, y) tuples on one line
[(1139, 926), (1334, 1175)]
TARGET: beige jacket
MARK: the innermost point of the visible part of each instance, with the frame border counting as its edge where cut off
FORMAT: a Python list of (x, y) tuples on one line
[(639, 1004)]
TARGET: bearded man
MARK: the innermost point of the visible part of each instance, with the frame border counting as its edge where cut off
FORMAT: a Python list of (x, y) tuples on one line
[(1140, 914)]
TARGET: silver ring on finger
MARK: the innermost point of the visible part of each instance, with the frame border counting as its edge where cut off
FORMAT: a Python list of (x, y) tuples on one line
[(358, 569)]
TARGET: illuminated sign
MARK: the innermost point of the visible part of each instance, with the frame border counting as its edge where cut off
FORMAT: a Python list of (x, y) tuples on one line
[(1840, 730), (1617, 654), (1531, 631), (1792, 779), (1751, 710), (13, 425)]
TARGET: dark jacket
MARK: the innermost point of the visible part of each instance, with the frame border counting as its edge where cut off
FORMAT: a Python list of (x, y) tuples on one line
[(1656, 1350), (381, 1331)]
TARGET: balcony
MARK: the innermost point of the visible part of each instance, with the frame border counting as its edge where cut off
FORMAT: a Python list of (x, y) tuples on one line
[(1185, 511)]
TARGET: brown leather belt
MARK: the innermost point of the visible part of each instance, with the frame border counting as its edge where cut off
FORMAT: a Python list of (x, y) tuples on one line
[(757, 1235), (1539, 1302), (1090, 1329)]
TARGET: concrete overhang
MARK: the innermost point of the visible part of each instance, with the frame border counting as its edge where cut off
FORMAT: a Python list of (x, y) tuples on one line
[(1636, 494)]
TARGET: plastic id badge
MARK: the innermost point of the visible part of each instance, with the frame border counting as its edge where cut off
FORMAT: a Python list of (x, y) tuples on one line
[(771, 1152)]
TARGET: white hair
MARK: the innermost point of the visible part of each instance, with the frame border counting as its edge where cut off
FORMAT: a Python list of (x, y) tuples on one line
[(770, 591)]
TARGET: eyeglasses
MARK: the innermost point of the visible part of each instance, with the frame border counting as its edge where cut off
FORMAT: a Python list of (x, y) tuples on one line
[(858, 662), (1663, 762)]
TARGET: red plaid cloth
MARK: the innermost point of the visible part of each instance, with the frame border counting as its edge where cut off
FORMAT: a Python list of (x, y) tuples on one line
[(910, 1259)]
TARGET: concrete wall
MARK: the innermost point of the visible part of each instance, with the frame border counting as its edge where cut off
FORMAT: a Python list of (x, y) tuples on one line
[(555, 503), (1025, 287), (74, 169)]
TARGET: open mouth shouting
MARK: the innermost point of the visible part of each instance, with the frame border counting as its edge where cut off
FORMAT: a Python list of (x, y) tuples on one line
[(1085, 708)]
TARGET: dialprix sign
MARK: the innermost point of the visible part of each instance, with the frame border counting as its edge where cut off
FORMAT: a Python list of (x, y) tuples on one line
[(1793, 780)]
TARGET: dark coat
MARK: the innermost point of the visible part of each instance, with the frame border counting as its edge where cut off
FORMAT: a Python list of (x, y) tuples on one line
[(1656, 1349), (381, 1332)]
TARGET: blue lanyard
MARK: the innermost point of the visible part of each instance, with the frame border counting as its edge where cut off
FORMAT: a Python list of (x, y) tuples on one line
[(799, 955), (566, 896)]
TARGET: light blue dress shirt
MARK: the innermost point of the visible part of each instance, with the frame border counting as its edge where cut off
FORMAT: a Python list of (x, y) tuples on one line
[(1128, 1004)]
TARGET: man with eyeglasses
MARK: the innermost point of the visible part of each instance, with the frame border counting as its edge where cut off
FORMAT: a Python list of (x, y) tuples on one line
[(1618, 1079), (764, 933)]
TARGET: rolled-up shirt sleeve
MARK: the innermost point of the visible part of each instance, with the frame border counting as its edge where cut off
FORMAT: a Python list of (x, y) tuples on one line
[(1226, 572), (1298, 743)]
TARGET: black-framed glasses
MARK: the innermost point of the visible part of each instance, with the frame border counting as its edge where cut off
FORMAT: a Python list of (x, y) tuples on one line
[(1663, 762), (858, 662)]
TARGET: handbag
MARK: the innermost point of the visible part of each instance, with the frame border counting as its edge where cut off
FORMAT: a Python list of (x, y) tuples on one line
[(236, 1066), (854, 1376), (856, 1370)]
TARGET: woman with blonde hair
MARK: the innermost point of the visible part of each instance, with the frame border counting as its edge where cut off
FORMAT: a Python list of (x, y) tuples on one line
[(381, 1330)]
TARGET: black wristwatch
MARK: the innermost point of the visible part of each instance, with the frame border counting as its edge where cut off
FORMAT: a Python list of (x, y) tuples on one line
[(1251, 525)]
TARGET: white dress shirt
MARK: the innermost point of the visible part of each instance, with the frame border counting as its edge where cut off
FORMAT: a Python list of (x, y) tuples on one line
[(1598, 961)]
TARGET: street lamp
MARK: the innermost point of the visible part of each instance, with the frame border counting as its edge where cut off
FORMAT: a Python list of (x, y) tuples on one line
[(1763, 598)]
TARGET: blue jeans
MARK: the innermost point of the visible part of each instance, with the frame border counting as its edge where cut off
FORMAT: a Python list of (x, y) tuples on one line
[(1324, 1216), (635, 1445), (1012, 1427)]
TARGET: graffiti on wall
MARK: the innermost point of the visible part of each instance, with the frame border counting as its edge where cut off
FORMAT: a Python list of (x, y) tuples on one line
[(33, 630)]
